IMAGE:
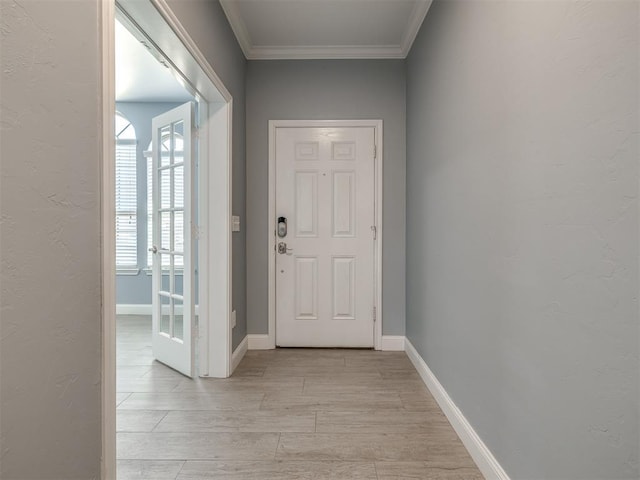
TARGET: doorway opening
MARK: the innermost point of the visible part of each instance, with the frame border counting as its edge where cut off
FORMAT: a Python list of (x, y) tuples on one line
[(156, 202), (166, 209)]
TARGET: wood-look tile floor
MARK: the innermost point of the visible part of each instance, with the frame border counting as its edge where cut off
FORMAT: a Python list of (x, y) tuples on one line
[(284, 414)]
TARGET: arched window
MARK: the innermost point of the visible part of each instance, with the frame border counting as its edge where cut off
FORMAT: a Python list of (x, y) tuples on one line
[(126, 195)]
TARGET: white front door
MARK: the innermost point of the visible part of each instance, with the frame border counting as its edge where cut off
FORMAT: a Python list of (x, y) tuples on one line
[(173, 244), (325, 209)]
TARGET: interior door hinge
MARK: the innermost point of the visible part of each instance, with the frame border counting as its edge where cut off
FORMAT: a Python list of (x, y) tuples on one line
[(374, 230), (375, 152), (375, 313)]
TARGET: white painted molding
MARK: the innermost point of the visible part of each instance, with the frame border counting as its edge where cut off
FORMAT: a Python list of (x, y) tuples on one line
[(260, 342), (313, 52), (323, 52), (238, 353), (230, 9), (194, 53), (415, 22), (480, 453), (145, 309), (379, 242), (108, 209), (392, 343), (133, 309)]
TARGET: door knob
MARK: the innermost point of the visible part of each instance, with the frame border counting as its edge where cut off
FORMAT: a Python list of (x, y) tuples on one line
[(153, 249), (282, 248)]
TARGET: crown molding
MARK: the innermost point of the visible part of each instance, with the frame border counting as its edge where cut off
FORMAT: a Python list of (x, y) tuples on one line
[(312, 52), (323, 52), (415, 22), (238, 26)]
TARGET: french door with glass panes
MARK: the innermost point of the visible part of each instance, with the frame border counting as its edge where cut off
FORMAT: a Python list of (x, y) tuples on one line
[(173, 243)]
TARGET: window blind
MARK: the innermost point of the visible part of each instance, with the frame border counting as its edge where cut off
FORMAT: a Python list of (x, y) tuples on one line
[(126, 204)]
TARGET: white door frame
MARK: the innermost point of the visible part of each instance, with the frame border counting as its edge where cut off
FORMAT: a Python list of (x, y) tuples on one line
[(377, 126), (162, 27)]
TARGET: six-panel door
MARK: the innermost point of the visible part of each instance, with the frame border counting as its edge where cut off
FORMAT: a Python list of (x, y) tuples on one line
[(325, 268)]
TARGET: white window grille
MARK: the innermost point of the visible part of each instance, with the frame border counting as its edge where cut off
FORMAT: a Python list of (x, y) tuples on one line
[(165, 226)]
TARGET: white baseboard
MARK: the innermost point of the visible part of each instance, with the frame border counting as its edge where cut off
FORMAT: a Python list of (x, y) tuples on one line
[(260, 342), (392, 343), (238, 353), (142, 309), (133, 309), (389, 342), (483, 457)]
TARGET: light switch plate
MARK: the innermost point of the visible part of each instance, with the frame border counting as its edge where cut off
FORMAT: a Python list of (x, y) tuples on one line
[(235, 223)]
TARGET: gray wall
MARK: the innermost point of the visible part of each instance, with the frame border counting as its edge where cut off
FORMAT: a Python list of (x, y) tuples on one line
[(136, 289), (207, 25), (50, 240), (522, 227), (341, 89)]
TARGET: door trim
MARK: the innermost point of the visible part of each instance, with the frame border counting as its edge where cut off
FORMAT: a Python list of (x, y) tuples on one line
[(377, 126), (108, 254), (158, 22)]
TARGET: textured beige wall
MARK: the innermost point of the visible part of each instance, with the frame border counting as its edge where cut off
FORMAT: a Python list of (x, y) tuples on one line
[(50, 240)]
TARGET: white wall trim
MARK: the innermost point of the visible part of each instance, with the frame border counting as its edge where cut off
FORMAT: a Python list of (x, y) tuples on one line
[(417, 17), (108, 208), (377, 245), (377, 125), (230, 9), (313, 52), (215, 250), (260, 342), (480, 453), (239, 352), (193, 51), (134, 309), (392, 343), (318, 52), (271, 284)]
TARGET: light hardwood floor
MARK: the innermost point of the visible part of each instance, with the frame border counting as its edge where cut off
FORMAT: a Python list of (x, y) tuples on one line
[(285, 414)]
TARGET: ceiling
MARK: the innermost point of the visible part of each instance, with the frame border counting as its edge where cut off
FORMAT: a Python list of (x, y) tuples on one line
[(325, 29), (140, 77), (279, 29)]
